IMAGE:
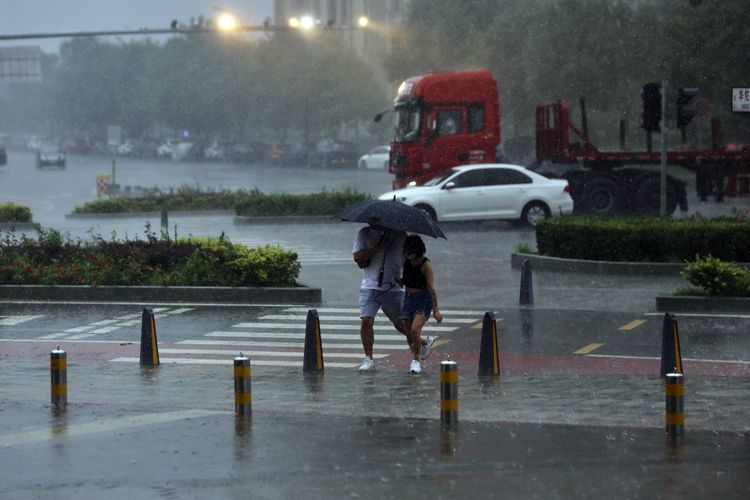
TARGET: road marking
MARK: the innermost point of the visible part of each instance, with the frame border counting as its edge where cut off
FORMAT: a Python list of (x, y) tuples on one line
[(109, 426), (692, 360), (298, 345), (588, 348), (439, 342), (294, 317), (79, 329), (702, 315), (300, 335), (632, 325), (53, 336), (352, 310), (278, 354), (386, 327), (16, 320), (104, 322), (260, 362)]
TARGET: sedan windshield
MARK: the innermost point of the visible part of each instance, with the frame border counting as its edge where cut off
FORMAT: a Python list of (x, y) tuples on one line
[(407, 124), (440, 178)]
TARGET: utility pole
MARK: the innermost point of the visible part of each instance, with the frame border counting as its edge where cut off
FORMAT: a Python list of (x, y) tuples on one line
[(663, 177)]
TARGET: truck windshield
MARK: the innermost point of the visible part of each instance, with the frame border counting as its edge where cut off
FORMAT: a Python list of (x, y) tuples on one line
[(407, 123)]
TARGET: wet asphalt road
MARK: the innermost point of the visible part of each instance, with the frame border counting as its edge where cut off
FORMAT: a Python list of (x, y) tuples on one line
[(577, 411)]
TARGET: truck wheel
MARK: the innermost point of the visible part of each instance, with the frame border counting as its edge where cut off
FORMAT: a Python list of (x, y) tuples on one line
[(534, 212), (603, 197), (428, 210), (647, 198)]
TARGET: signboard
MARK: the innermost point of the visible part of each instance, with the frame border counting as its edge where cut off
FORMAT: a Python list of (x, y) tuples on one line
[(741, 99), (21, 64)]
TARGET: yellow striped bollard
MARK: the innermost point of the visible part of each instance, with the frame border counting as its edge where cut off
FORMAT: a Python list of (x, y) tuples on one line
[(59, 376), (675, 398), (243, 395), (448, 392)]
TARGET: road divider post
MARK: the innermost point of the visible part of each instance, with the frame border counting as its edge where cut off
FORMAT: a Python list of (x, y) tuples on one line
[(313, 356), (243, 395), (489, 356), (149, 347), (671, 359), (675, 405), (526, 297), (59, 377), (448, 393)]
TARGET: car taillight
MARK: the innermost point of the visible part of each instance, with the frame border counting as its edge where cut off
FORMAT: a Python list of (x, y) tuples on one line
[(566, 189)]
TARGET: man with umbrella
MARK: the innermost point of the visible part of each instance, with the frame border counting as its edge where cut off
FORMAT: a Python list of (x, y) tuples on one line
[(379, 251)]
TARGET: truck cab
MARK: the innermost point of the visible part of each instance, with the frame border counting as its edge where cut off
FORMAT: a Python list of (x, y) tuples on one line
[(443, 120)]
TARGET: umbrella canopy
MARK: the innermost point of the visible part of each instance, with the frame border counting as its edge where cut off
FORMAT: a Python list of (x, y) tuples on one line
[(393, 215)]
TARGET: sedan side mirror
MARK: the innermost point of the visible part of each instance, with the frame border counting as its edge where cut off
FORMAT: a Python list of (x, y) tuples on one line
[(449, 185)]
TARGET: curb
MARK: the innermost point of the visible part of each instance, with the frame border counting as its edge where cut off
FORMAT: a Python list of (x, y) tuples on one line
[(223, 295), (702, 304), (19, 226), (123, 215), (282, 219), (559, 264)]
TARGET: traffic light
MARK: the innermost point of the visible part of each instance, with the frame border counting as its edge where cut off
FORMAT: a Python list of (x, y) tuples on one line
[(651, 95), (684, 96)]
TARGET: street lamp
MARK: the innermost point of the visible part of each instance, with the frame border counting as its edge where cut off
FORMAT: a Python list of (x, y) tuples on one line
[(227, 22), (363, 22)]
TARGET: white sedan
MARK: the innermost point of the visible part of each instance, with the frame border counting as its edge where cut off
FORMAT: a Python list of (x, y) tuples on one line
[(377, 158), (491, 191)]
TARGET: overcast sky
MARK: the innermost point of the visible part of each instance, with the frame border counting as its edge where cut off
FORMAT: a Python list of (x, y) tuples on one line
[(52, 16)]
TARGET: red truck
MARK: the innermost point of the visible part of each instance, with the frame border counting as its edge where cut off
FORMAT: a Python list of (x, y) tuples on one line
[(453, 118)]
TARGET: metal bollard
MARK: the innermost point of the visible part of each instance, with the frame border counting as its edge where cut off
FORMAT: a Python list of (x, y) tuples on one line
[(675, 399), (243, 396), (448, 392), (59, 376)]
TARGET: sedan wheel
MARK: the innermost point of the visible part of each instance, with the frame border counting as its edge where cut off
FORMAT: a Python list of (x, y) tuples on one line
[(534, 213)]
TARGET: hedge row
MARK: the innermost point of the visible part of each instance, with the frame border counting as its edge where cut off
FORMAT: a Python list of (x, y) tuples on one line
[(246, 203), (325, 203), (647, 239), (56, 260), (10, 212)]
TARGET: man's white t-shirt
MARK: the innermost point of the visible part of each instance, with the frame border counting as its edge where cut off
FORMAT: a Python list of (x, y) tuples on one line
[(368, 237)]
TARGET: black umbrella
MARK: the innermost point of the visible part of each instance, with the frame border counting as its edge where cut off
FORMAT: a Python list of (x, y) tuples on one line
[(393, 215)]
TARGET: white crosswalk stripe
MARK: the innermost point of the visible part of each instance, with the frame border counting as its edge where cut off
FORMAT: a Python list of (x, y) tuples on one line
[(278, 339), (17, 320), (104, 326)]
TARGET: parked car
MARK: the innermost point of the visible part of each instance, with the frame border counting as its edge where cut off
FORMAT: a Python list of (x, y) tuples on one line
[(331, 152), (165, 149), (217, 150), (377, 158), (127, 148), (491, 191), (245, 152), (50, 157), (293, 153)]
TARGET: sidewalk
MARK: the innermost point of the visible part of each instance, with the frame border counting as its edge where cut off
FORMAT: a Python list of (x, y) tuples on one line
[(128, 430)]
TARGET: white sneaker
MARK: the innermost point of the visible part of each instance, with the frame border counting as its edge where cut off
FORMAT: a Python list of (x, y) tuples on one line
[(426, 350), (367, 365), (415, 366)]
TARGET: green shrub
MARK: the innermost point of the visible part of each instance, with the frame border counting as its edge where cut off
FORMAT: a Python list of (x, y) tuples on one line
[(325, 203), (57, 260), (10, 212), (718, 278), (644, 239)]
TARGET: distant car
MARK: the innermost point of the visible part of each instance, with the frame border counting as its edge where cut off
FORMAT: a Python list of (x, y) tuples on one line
[(377, 158), (34, 143), (49, 157), (127, 148), (217, 150), (165, 149), (331, 153), (492, 191), (79, 145), (293, 154)]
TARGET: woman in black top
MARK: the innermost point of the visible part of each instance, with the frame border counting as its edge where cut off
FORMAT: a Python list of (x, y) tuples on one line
[(420, 299)]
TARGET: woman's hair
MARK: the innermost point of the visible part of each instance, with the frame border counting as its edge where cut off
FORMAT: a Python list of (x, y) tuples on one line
[(415, 245)]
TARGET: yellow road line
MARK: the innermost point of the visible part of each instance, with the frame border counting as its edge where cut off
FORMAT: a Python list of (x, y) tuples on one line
[(587, 349), (633, 324), (440, 342)]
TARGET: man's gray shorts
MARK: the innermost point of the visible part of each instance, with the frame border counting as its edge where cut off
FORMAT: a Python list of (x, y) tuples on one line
[(389, 300)]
